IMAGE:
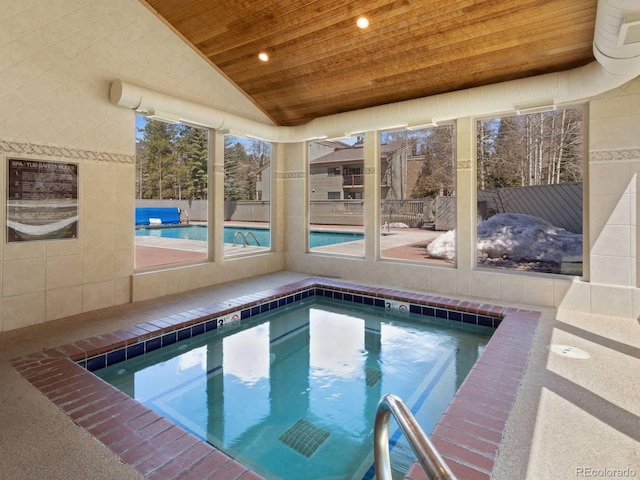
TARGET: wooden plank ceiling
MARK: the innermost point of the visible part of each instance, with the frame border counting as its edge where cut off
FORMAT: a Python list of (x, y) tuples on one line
[(321, 63)]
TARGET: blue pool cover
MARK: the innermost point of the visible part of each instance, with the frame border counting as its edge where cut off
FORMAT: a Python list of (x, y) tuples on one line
[(166, 215)]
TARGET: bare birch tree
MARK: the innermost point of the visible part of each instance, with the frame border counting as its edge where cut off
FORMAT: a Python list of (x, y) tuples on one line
[(535, 149)]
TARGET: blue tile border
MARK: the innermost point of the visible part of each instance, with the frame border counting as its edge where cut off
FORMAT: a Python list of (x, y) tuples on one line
[(246, 312)]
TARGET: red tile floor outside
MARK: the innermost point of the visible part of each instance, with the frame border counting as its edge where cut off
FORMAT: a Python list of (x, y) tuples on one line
[(148, 257), (152, 256), (467, 435)]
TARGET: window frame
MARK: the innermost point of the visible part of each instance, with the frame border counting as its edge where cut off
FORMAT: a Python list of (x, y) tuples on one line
[(584, 276)]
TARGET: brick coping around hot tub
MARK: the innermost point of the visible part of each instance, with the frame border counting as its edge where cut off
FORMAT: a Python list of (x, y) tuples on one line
[(467, 435)]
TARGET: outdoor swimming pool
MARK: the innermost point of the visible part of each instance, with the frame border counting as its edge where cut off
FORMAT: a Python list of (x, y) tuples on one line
[(292, 392), (262, 235)]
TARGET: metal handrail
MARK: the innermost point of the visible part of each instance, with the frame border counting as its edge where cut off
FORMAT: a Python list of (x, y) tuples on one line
[(244, 239), (254, 237), (244, 236), (428, 456)]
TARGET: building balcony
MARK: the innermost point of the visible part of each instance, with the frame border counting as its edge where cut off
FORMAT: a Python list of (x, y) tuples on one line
[(357, 180)]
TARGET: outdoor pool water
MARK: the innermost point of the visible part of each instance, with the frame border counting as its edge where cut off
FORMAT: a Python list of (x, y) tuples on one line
[(321, 238), (292, 393), (262, 235)]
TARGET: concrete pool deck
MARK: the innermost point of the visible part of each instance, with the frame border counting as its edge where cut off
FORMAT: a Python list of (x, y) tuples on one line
[(397, 243), (570, 415)]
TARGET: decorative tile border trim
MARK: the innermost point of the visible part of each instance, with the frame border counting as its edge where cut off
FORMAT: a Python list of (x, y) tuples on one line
[(287, 175), (24, 148), (615, 155), (467, 435)]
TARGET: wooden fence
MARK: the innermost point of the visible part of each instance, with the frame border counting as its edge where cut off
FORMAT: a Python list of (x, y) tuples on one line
[(560, 205), (196, 210), (439, 213)]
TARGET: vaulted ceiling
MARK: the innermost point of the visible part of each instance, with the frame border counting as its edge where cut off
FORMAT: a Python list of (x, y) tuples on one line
[(321, 63)]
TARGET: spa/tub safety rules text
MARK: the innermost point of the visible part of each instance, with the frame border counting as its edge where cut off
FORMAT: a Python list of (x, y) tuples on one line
[(42, 200)]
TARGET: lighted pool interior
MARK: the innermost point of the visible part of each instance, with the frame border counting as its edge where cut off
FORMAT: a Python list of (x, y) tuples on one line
[(292, 393), (253, 235), (158, 448)]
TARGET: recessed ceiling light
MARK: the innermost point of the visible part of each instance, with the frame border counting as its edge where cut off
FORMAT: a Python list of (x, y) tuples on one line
[(362, 22), (263, 56)]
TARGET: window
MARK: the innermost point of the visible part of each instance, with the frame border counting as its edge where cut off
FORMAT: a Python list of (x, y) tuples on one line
[(247, 195), (171, 193), (336, 221), (418, 205), (352, 178), (529, 194)]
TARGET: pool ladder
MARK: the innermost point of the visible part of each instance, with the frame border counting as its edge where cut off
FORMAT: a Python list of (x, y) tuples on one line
[(428, 456), (244, 236)]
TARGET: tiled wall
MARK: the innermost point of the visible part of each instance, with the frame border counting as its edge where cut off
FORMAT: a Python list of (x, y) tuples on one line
[(57, 61), (613, 168), (609, 285), (44, 281)]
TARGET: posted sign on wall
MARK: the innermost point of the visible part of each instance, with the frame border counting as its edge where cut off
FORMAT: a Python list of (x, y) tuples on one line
[(42, 200)]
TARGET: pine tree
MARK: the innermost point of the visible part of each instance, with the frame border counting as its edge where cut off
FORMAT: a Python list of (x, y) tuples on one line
[(234, 172), (197, 159), (171, 161), (156, 159)]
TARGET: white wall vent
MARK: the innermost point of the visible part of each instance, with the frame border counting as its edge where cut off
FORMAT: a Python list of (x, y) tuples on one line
[(540, 107)]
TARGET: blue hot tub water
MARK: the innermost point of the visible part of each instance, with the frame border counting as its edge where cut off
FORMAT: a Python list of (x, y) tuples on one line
[(292, 393), (262, 235)]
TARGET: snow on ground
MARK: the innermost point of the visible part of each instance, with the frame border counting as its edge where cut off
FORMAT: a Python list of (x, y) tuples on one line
[(395, 225), (517, 238)]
